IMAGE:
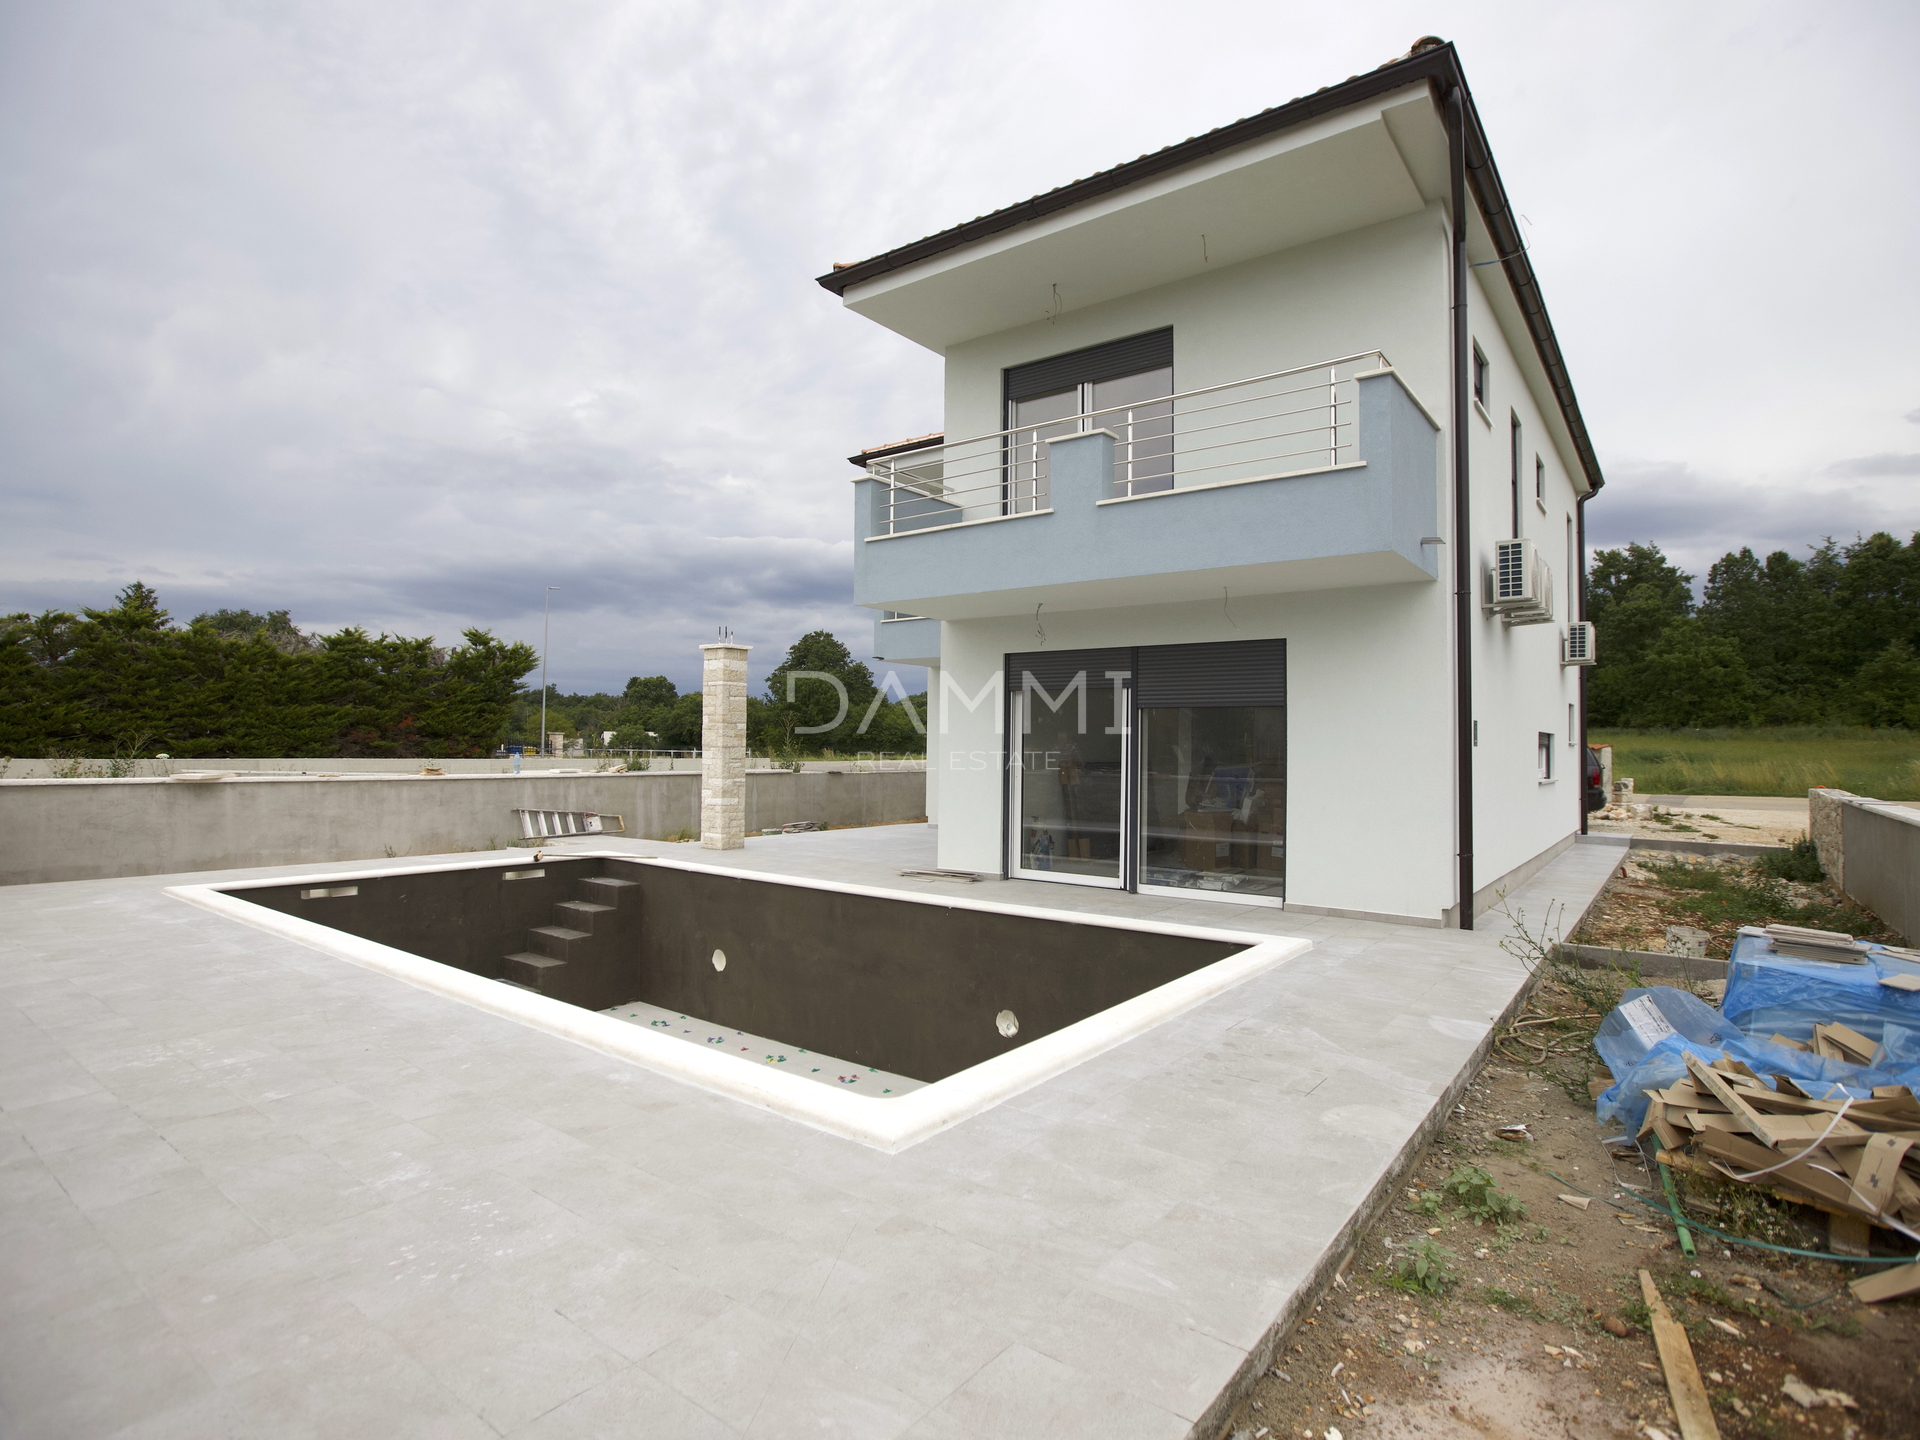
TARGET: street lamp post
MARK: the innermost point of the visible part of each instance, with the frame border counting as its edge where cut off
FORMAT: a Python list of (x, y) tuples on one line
[(546, 631)]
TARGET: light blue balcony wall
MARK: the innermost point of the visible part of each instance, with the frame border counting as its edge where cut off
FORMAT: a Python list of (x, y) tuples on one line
[(1355, 524), (907, 642)]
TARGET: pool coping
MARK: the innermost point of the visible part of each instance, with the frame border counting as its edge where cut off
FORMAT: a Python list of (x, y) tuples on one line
[(890, 1125)]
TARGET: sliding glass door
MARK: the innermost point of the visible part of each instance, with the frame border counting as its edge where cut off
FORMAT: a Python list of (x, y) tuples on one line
[(1161, 768), (1213, 792), (1069, 781)]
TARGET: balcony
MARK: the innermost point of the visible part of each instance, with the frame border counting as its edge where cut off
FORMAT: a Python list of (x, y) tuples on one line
[(1312, 478)]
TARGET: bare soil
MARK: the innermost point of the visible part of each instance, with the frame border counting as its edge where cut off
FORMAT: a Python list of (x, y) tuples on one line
[(1637, 905), (1724, 825), (1518, 1345)]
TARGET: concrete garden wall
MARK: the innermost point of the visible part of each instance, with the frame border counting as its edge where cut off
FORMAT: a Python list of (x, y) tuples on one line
[(1870, 849), (94, 829)]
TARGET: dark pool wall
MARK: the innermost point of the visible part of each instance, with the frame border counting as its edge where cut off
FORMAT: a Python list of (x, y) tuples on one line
[(910, 987), (907, 987), (480, 921)]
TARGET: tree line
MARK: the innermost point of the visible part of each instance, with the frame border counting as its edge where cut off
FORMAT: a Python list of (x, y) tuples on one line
[(1832, 639), (128, 681), (806, 718)]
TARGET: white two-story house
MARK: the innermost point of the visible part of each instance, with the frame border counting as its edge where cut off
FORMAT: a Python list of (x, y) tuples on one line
[(1213, 560)]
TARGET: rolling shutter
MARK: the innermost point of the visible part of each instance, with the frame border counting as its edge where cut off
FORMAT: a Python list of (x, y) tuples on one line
[(1150, 351), (1231, 672), (1056, 668)]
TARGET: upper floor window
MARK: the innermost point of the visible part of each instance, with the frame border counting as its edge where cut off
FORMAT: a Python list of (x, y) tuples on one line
[(1123, 386), (1479, 375), (1539, 479)]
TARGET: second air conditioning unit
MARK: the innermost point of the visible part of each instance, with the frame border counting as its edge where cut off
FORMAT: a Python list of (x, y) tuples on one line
[(1576, 647), (1520, 585)]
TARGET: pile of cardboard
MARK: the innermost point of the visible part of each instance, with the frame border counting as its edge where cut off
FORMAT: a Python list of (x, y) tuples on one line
[(1249, 838), (1857, 1160)]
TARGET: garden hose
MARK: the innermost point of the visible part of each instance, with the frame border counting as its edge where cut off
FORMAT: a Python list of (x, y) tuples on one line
[(1736, 1240)]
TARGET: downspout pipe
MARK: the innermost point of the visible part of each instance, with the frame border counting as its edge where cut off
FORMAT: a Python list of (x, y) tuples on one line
[(1462, 532), (1580, 613)]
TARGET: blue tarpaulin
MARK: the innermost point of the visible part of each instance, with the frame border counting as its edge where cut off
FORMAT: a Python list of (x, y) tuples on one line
[(1647, 1037)]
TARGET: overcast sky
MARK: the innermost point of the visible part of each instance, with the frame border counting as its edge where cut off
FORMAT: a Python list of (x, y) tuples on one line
[(394, 313)]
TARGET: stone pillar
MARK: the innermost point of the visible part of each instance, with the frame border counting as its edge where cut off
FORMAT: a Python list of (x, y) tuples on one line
[(1824, 809), (723, 747)]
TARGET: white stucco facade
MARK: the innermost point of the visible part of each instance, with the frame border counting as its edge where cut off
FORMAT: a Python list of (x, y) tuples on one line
[(1371, 794)]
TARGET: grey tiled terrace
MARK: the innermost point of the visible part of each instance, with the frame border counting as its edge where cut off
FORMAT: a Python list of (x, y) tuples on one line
[(250, 1189)]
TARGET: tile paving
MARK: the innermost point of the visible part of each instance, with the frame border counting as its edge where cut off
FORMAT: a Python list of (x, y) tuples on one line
[(247, 1189)]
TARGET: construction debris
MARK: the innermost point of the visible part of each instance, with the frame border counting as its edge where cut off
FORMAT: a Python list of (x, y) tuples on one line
[(1801, 1085), (1808, 1398)]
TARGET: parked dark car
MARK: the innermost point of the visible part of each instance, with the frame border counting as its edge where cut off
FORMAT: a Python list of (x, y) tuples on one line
[(1596, 784)]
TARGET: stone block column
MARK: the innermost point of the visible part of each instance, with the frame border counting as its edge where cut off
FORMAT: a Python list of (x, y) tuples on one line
[(723, 747)]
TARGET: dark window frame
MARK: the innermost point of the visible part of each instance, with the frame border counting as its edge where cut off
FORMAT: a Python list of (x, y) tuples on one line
[(1516, 445)]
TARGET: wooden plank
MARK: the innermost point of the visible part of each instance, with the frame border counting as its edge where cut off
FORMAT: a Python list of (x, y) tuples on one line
[(1849, 1235), (1680, 1160), (1663, 1126), (1892, 1281), (1727, 1096), (1684, 1385), (1793, 1132), (1796, 1172), (1850, 1039)]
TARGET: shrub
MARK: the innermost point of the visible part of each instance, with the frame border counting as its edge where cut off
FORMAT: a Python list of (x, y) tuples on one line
[(1800, 862), (1473, 1188), (1424, 1268)]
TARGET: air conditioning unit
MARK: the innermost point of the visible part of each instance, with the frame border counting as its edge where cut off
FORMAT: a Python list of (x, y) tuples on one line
[(1520, 585), (1576, 647)]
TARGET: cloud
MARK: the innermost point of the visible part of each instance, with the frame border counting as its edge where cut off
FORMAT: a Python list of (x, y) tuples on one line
[(1872, 465), (1698, 518), (395, 315)]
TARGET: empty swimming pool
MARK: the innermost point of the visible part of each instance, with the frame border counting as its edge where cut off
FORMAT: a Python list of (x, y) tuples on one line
[(965, 1001)]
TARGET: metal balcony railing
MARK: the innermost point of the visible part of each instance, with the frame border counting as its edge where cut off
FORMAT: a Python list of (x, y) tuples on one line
[(1265, 426)]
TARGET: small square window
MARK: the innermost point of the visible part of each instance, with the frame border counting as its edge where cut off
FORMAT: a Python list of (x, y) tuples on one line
[(1543, 759), (1479, 375)]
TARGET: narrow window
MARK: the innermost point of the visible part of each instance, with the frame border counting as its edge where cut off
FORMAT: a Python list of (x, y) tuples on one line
[(1479, 375), (1544, 758), (1539, 479), (1572, 725), (1513, 459)]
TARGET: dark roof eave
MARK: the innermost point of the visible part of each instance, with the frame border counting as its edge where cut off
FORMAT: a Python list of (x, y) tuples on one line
[(1435, 64), (1439, 66)]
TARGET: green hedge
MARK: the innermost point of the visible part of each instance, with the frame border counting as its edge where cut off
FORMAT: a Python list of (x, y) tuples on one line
[(129, 681)]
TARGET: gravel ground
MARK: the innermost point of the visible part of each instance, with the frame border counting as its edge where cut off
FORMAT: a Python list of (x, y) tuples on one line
[(1541, 1332), (1704, 822), (1637, 905)]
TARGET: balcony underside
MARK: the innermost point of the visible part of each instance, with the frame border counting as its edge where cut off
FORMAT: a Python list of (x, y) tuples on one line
[(1328, 572)]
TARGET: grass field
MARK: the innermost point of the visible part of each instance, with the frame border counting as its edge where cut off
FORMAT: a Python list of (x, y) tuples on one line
[(1789, 760)]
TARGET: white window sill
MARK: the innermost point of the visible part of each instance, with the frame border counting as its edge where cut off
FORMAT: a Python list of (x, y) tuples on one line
[(1481, 411), (1550, 780)]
